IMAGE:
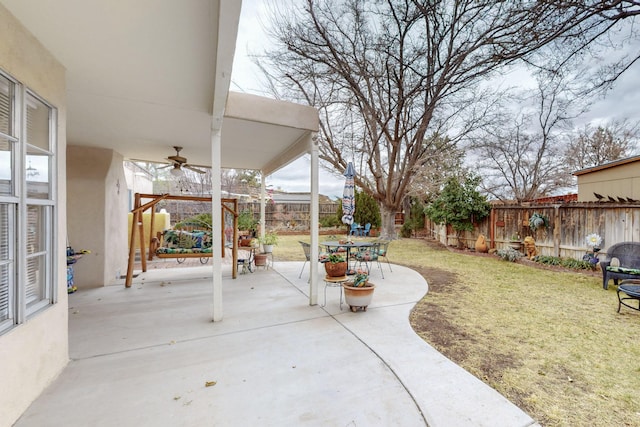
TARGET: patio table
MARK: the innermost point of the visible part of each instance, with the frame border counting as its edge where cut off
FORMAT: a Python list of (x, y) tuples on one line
[(336, 244), (630, 287)]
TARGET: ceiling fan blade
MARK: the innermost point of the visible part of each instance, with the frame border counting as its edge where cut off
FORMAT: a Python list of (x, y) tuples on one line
[(194, 169)]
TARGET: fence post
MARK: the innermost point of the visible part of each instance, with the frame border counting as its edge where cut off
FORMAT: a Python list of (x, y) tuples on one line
[(557, 229)]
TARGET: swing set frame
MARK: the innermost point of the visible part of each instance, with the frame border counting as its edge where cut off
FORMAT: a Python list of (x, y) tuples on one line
[(137, 229)]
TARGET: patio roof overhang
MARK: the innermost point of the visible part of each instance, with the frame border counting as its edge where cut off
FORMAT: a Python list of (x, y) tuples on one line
[(148, 75), (144, 76)]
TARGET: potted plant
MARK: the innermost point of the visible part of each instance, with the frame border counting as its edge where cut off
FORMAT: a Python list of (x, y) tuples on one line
[(247, 226), (260, 259), (247, 223), (359, 292), (268, 241), (335, 265)]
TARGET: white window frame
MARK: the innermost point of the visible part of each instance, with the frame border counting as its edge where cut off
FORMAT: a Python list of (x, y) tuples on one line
[(20, 311)]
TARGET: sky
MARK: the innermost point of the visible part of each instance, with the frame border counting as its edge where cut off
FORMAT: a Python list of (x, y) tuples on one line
[(620, 103), (245, 78)]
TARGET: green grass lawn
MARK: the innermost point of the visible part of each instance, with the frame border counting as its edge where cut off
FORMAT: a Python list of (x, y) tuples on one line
[(550, 341)]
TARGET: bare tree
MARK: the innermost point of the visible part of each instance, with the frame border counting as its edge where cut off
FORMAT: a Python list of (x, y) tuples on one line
[(522, 158), (593, 147), (386, 73), (519, 165), (441, 161)]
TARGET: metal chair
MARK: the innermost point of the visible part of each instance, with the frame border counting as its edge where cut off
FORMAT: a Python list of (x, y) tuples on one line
[(369, 254), (246, 262), (306, 247), (383, 251)]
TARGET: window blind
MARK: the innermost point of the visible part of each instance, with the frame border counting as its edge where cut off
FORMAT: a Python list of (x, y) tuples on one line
[(6, 95), (6, 239), (36, 229)]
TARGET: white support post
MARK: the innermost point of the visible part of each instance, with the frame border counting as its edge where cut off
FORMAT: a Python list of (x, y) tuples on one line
[(216, 220), (263, 193), (315, 214)]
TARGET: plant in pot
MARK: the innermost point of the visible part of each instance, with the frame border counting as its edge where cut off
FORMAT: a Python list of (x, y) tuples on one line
[(335, 265), (268, 241), (359, 292), (247, 226)]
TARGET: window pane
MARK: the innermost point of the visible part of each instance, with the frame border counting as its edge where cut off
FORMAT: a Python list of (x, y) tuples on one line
[(37, 171), (6, 106), (6, 263), (6, 312), (36, 283), (6, 167), (6, 232), (37, 252), (36, 230), (37, 123)]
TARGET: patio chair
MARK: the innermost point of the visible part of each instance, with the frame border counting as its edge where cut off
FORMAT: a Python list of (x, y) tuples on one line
[(383, 251), (306, 247), (246, 262), (355, 229), (367, 229), (367, 255)]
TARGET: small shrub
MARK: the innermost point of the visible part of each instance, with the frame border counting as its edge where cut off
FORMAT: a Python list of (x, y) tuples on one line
[(407, 230), (571, 263), (577, 264), (330, 222), (548, 260), (508, 254)]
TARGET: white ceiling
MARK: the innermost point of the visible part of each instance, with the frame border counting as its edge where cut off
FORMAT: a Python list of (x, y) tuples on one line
[(145, 75)]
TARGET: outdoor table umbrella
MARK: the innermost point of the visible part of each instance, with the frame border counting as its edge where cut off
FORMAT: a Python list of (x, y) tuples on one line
[(348, 196)]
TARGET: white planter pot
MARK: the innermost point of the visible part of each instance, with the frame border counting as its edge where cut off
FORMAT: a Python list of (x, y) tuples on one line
[(267, 249), (358, 297)]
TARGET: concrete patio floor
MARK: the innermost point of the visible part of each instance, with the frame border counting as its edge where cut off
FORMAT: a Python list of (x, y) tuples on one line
[(150, 356)]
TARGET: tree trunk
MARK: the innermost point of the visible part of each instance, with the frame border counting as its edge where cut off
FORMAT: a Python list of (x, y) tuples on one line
[(388, 217)]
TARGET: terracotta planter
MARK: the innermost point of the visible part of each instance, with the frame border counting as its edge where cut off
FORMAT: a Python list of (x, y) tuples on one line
[(358, 298), (481, 244), (260, 259), (244, 242), (335, 269)]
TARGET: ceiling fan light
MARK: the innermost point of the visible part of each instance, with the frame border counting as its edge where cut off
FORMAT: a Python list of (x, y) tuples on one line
[(176, 171)]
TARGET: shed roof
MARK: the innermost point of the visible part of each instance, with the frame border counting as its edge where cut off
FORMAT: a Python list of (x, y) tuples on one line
[(609, 165)]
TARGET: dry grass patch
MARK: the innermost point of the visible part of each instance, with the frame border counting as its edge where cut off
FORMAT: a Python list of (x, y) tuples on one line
[(548, 340)]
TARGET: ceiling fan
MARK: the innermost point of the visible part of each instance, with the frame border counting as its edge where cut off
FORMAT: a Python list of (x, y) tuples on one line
[(178, 162)]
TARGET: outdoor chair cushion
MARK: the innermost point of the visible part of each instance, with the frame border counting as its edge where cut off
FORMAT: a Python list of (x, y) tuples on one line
[(624, 270), (173, 251), (192, 240)]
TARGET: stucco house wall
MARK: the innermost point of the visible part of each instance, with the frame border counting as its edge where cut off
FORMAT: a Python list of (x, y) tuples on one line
[(616, 179), (34, 353), (97, 206)]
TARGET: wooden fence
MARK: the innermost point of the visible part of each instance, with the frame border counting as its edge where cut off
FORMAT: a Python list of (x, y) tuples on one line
[(292, 216), (569, 224)]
